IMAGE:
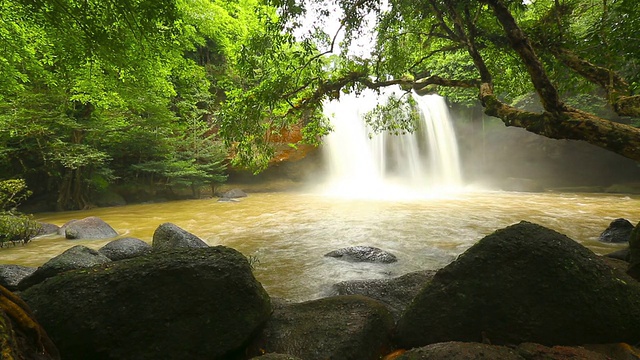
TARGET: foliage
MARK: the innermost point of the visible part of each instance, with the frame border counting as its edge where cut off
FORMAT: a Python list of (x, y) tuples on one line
[(396, 116), (12, 193), (17, 228)]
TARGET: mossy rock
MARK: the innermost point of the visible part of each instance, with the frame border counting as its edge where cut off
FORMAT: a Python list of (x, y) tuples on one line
[(525, 283), (185, 304)]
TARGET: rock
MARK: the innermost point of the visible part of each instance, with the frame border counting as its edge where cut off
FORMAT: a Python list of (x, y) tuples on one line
[(184, 304), (125, 248), (47, 229), (622, 254), (11, 275), (77, 257), (342, 327), (363, 254), (170, 236), (634, 253), (274, 356), (222, 199), (524, 283), (530, 351), (88, 228), (460, 351), (396, 293), (233, 194), (618, 231)]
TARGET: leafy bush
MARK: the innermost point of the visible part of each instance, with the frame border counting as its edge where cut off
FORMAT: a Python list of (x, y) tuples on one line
[(17, 228), (12, 193)]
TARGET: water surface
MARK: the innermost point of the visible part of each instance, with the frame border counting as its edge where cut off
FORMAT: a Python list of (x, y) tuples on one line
[(288, 233)]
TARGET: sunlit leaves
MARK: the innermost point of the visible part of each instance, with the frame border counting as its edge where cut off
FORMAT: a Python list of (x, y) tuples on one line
[(397, 116)]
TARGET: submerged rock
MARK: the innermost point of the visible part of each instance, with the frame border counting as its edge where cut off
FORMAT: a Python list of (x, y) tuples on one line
[(396, 293), (88, 228), (341, 327), (183, 304), (77, 257), (363, 254), (525, 283), (170, 236), (233, 194), (125, 248), (617, 232)]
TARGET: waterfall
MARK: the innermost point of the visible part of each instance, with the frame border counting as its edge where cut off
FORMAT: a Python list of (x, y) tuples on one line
[(362, 164)]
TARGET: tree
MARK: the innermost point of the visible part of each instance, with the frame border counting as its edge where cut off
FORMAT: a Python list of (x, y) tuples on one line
[(496, 50), (96, 88)]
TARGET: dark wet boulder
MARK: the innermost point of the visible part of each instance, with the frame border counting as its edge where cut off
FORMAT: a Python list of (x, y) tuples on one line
[(460, 351), (363, 254), (618, 231), (531, 351), (77, 257), (622, 254), (524, 283), (342, 327), (88, 228), (395, 293), (170, 236), (183, 304), (634, 253), (233, 194), (125, 248), (274, 356), (11, 275)]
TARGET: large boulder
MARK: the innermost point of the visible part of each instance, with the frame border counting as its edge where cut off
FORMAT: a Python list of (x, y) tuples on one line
[(363, 254), (618, 231), (455, 350), (88, 228), (395, 293), (341, 327), (11, 275), (525, 283), (460, 351), (183, 304), (634, 253), (170, 236), (77, 257), (125, 248)]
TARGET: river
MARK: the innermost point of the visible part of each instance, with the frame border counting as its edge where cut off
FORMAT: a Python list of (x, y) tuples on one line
[(286, 234)]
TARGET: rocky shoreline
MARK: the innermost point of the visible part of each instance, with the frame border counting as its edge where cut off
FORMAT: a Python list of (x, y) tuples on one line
[(523, 292)]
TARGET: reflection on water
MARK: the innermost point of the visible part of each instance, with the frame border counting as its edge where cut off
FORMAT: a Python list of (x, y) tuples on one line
[(290, 232)]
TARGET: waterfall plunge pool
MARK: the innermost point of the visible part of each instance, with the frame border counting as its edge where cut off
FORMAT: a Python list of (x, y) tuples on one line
[(289, 232)]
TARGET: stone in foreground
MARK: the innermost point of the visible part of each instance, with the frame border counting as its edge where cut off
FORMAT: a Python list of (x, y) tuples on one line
[(182, 304), (341, 327), (525, 283)]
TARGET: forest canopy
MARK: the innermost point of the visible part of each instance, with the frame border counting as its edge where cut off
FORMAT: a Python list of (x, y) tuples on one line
[(169, 93)]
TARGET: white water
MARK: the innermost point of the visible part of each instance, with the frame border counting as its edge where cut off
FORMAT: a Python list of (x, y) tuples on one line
[(362, 164)]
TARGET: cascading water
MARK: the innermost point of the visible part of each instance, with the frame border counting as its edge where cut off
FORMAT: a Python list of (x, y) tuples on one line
[(362, 164)]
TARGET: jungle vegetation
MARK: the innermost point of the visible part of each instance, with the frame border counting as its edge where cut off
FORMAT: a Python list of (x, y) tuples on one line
[(169, 93)]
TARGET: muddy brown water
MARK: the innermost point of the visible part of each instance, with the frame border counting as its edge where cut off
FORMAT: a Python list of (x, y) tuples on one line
[(286, 234)]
